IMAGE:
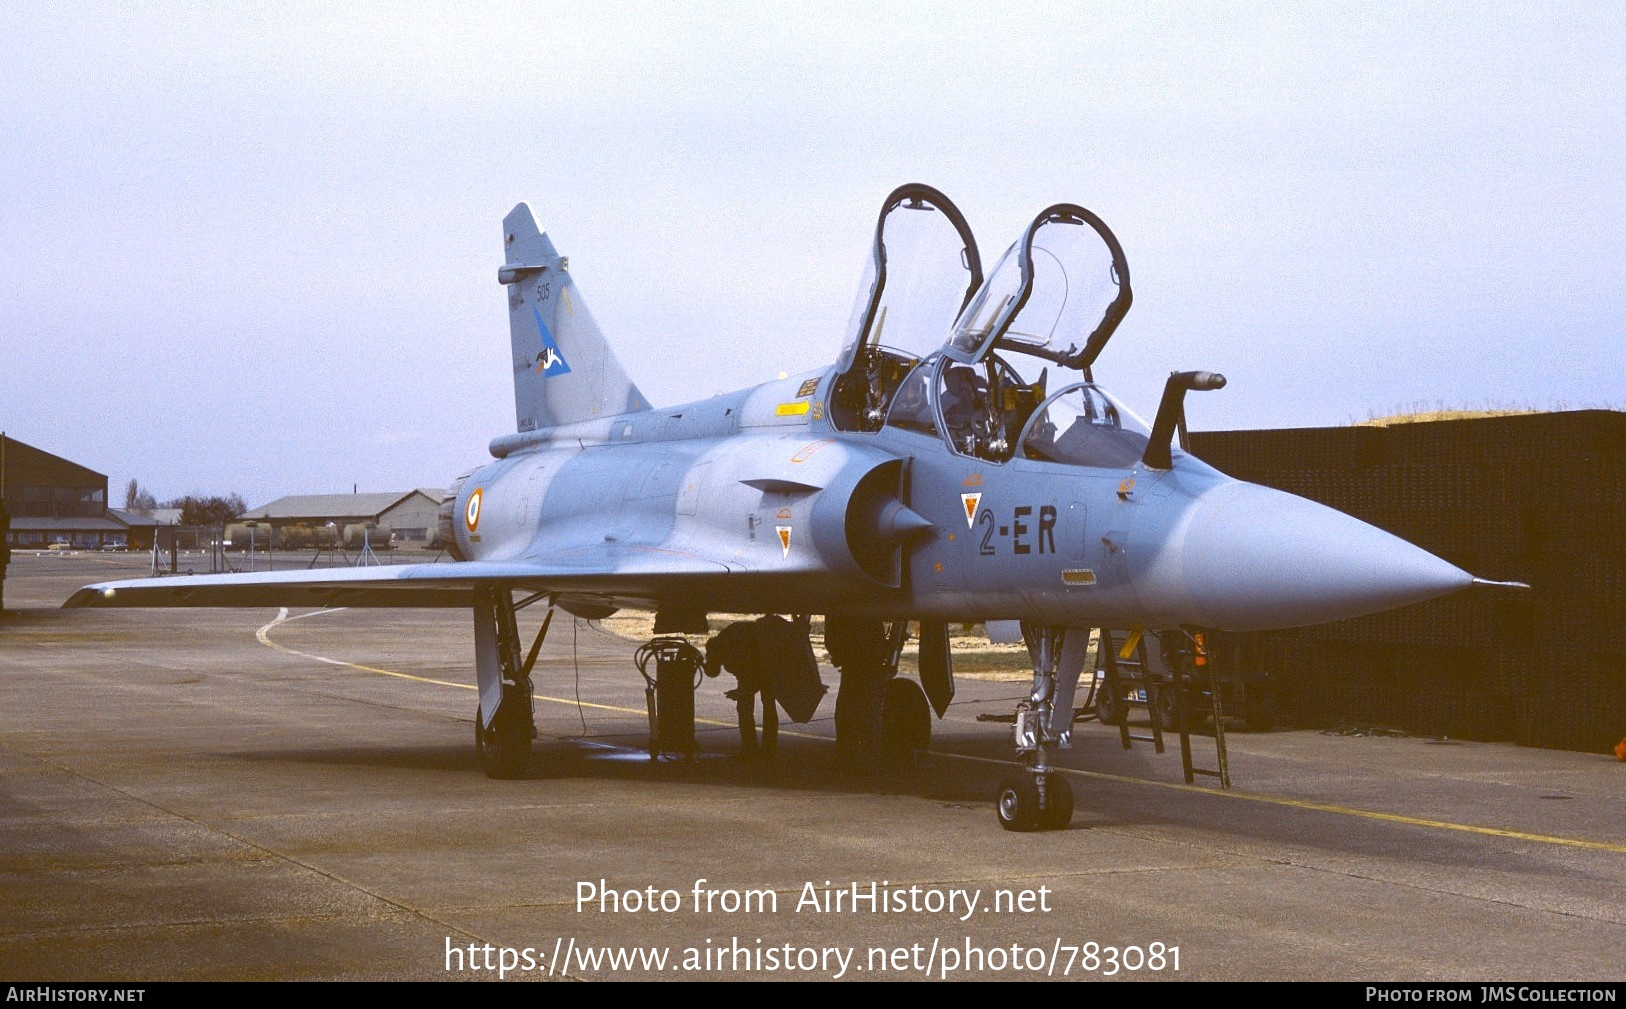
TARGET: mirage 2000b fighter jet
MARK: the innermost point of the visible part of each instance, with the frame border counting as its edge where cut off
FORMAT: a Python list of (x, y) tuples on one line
[(957, 463)]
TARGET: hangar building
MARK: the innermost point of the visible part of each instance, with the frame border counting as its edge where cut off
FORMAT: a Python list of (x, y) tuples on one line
[(54, 501)]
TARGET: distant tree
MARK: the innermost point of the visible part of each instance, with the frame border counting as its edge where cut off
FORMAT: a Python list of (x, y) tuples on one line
[(138, 499), (197, 510)]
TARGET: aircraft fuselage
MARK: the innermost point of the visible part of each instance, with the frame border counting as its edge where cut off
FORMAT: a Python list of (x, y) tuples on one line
[(792, 514)]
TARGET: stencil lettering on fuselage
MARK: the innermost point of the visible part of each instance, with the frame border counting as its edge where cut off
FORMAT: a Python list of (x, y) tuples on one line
[(1028, 531)]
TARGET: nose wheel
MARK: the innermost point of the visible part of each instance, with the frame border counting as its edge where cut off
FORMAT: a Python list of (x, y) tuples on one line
[(1030, 800)]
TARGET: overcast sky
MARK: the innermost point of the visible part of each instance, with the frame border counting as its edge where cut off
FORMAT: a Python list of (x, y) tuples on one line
[(253, 249)]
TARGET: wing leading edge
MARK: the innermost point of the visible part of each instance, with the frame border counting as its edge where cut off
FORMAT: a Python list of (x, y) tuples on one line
[(636, 578)]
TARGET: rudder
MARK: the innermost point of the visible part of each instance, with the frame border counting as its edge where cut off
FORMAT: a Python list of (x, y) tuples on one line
[(564, 371)]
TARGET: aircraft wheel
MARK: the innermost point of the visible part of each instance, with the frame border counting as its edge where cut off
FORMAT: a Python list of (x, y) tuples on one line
[(906, 721), (1017, 802), (502, 756), (1058, 811), (1109, 710)]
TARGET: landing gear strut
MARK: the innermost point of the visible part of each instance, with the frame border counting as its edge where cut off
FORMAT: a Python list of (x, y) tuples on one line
[(866, 652), (1037, 798), (504, 724), (906, 722)]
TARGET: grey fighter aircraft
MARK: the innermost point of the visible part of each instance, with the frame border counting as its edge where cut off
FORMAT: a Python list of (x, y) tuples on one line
[(957, 463)]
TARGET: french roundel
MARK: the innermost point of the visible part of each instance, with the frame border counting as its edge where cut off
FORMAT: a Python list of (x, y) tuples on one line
[(471, 512)]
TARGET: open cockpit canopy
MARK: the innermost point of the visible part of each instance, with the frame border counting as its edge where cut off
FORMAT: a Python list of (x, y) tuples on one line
[(1054, 300), (922, 270), (933, 347), (1058, 293)]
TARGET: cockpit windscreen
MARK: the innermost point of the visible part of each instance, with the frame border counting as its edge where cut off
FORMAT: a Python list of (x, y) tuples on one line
[(1083, 426)]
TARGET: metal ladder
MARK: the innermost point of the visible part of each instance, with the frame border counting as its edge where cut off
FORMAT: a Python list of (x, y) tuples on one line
[(1130, 657)]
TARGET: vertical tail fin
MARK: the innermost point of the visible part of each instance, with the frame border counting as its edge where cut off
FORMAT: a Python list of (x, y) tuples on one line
[(564, 370)]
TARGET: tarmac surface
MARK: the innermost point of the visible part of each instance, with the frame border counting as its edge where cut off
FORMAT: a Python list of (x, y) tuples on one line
[(243, 794)]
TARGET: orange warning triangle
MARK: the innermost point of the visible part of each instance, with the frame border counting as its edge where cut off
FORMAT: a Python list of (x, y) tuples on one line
[(784, 538), (971, 501)]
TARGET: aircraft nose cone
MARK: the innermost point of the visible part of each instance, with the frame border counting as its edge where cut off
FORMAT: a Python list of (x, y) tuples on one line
[(1257, 558)]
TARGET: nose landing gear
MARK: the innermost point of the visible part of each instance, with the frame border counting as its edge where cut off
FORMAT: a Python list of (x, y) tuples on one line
[(1036, 797)]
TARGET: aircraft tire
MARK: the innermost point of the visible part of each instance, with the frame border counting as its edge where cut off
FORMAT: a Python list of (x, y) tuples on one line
[(1017, 802), (1058, 811), (906, 721), (501, 758)]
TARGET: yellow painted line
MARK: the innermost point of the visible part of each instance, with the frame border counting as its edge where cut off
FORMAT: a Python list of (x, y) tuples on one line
[(1275, 800), (1319, 807), (264, 637)]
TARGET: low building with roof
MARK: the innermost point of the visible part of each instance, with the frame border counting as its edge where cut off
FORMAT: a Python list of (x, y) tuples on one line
[(411, 516)]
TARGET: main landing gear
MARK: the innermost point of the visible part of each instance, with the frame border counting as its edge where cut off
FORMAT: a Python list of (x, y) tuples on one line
[(1036, 797), (504, 724), (883, 721)]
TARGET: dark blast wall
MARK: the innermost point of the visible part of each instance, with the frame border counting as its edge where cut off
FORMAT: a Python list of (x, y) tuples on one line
[(1539, 498)]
